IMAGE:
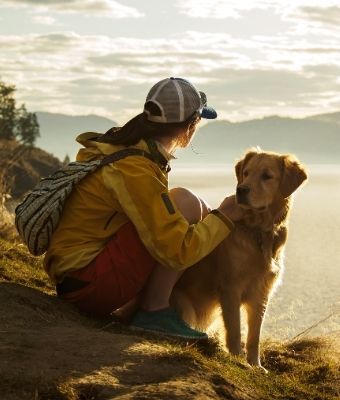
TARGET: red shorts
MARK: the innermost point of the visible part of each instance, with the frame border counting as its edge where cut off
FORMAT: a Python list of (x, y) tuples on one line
[(115, 276)]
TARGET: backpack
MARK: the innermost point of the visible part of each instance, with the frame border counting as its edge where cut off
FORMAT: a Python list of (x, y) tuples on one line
[(37, 217)]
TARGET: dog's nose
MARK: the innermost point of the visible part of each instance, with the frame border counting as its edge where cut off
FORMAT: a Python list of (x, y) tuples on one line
[(242, 191)]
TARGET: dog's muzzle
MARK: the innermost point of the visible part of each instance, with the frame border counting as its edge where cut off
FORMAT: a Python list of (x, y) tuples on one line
[(242, 192)]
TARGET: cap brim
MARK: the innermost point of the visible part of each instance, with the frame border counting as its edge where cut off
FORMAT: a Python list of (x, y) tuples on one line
[(208, 113)]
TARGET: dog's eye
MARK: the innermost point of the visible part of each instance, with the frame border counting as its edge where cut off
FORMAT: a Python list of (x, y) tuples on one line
[(265, 176), (245, 173)]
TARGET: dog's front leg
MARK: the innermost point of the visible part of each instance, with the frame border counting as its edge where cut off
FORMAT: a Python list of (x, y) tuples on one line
[(230, 303), (255, 313)]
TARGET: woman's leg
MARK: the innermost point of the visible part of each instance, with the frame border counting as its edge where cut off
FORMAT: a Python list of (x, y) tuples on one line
[(162, 280), (157, 291), (155, 314)]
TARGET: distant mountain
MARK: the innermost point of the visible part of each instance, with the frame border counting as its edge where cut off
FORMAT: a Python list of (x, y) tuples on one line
[(333, 117), (58, 132), (313, 139)]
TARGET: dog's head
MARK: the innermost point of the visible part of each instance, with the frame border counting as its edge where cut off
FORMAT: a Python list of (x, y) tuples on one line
[(265, 177)]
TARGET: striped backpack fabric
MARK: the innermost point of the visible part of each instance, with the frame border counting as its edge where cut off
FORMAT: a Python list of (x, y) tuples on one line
[(37, 217)]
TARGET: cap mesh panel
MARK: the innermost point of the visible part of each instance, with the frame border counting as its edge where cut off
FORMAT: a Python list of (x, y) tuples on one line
[(165, 93)]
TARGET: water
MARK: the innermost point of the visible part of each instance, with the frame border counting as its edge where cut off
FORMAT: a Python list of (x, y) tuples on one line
[(310, 290)]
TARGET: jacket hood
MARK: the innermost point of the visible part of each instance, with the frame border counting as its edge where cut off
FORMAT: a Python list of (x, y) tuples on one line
[(93, 150)]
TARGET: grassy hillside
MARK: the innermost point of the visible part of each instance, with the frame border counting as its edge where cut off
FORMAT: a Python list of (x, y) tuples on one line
[(22, 167), (48, 350)]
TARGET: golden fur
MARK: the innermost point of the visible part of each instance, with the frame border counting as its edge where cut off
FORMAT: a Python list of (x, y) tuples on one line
[(244, 268)]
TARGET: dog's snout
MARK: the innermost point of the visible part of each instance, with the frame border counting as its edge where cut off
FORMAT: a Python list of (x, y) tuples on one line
[(242, 190)]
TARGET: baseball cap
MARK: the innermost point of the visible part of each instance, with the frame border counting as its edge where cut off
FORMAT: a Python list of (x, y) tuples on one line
[(177, 100)]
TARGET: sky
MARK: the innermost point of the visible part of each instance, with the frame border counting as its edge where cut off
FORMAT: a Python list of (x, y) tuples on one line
[(252, 58)]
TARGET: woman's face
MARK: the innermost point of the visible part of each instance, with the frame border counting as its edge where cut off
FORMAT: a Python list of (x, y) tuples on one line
[(185, 138)]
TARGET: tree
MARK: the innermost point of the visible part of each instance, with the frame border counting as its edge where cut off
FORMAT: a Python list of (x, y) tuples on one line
[(27, 126), (7, 111), (16, 123), (66, 160)]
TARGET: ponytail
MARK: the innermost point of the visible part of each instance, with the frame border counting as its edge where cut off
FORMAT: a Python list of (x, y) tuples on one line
[(140, 127)]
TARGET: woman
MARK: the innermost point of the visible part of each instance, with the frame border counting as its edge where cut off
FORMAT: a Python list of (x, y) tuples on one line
[(123, 236)]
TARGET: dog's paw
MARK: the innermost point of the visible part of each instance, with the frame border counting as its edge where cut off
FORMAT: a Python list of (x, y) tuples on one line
[(258, 368), (256, 364), (261, 369)]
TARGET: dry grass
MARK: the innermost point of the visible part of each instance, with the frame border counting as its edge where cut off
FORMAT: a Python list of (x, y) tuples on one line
[(7, 229), (17, 265)]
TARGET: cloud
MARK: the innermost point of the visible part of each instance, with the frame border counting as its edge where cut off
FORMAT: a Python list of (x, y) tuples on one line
[(73, 73), (245, 94), (45, 20), (323, 70), (325, 11), (322, 15), (103, 8), (28, 47), (219, 8)]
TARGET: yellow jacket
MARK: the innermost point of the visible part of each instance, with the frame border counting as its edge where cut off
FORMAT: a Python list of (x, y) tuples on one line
[(132, 189)]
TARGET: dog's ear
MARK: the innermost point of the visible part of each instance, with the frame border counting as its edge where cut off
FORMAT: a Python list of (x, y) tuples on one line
[(241, 164), (293, 175)]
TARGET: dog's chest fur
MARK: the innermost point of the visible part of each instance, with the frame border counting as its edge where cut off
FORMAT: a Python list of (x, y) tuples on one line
[(248, 262), (251, 258)]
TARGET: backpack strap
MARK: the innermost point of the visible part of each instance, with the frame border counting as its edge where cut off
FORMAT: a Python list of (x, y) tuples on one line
[(157, 155), (118, 155)]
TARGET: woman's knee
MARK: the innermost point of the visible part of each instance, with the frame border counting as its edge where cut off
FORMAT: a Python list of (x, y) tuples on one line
[(188, 204)]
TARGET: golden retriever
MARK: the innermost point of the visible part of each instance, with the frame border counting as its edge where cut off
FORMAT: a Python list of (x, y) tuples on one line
[(244, 268)]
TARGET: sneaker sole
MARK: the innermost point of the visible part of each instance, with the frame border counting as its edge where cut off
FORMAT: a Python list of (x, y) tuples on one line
[(166, 334)]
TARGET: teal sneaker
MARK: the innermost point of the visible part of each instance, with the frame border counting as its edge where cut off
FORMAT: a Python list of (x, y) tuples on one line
[(166, 322)]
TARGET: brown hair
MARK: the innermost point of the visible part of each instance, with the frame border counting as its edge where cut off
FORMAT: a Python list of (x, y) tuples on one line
[(140, 127)]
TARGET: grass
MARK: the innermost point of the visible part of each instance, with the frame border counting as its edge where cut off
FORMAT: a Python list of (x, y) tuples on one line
[(303, 369), (17, 265), (300, 369)]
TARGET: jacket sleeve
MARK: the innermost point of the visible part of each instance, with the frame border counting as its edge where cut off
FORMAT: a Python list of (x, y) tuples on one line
[(162, 228)]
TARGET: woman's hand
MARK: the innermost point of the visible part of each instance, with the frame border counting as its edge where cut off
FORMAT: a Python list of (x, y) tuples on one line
[(231, 209)]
